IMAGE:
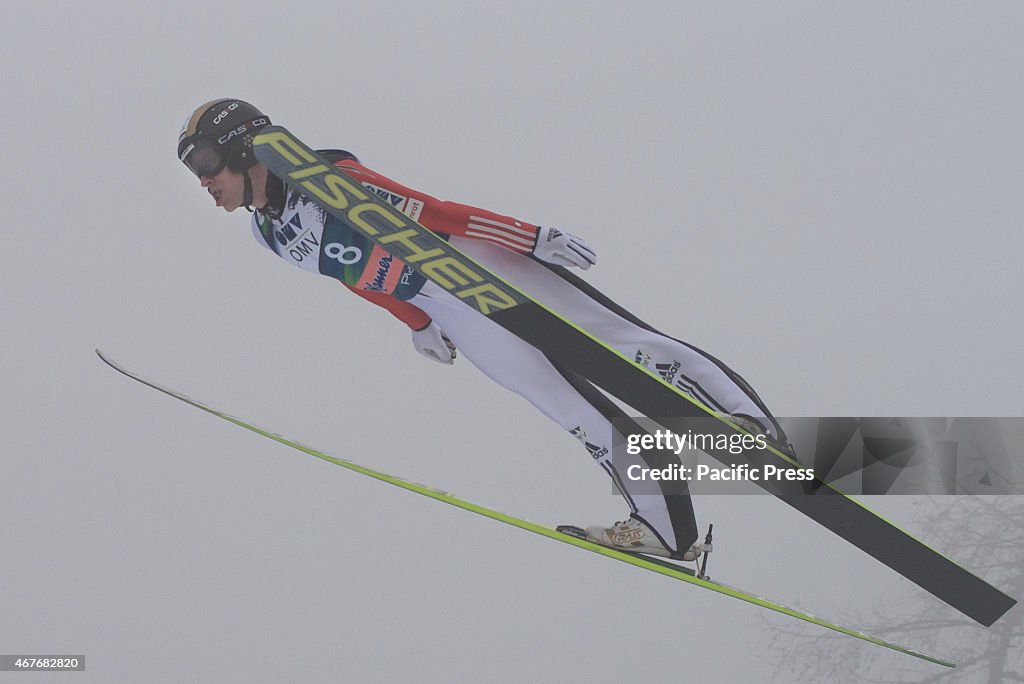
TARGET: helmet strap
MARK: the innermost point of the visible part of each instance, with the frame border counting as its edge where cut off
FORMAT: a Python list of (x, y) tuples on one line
[(275, 196), (247, 195)]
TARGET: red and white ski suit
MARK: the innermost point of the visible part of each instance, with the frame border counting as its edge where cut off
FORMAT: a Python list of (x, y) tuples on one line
[(504, 245)]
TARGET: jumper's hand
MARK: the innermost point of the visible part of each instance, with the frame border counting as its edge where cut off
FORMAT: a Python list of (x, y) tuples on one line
[(563, 249), (432, 343)]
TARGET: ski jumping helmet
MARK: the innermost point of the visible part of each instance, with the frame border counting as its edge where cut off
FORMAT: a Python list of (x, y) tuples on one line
[(218, 134)]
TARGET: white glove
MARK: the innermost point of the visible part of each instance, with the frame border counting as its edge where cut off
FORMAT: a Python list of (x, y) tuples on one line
[(563, 249), (433, 344)]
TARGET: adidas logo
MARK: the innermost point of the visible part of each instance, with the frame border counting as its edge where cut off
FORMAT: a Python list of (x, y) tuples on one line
[(667, 370), (386, 195), (596, 452)]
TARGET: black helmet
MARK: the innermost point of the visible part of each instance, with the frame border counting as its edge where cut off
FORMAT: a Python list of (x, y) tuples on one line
[(219, 134)]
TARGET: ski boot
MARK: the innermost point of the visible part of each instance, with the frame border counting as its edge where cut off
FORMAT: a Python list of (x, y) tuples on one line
[(632, 535)]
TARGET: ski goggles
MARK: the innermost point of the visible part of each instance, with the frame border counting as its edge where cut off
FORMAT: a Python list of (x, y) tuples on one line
[(205, 158)]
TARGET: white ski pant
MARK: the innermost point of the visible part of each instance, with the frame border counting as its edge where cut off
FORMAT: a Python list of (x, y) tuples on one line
[(521, 368)]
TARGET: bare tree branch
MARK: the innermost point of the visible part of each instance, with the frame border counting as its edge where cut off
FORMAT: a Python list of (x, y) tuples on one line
[(985, 534)]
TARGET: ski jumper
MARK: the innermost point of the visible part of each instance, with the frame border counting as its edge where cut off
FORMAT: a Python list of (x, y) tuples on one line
[(310, 238)]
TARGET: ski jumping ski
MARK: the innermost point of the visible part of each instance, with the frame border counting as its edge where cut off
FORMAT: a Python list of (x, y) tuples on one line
[(309, 173), (655, 565)]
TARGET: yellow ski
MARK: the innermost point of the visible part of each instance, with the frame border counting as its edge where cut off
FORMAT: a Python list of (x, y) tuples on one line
[(654, 565)]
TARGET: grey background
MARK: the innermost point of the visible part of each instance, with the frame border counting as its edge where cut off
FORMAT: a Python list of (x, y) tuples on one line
[(827, 196)]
